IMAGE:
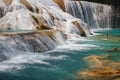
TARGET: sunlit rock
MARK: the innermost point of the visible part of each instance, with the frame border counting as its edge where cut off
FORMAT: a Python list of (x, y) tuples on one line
[(60, 3)]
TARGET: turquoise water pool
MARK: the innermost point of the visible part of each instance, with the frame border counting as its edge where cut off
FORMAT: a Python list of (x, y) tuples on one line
[(64, 62)]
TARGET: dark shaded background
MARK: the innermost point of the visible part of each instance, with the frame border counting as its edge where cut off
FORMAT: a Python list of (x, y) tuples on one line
[(115, 3)]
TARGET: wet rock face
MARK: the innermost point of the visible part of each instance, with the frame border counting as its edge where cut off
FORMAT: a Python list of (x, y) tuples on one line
[(1, 12), (101, 68)]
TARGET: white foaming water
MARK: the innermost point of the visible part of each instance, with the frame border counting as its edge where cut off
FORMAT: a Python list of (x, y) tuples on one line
[(77, 47), (78, 39), (73, 44), (19, 61), (105, 29)]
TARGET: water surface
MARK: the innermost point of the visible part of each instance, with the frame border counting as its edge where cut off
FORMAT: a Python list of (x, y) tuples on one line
[(64, 62)]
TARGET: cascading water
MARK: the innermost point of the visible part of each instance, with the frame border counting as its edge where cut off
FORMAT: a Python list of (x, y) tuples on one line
[(13, 44), (32, 15), (36, 13), (29, 29), (94, 14)]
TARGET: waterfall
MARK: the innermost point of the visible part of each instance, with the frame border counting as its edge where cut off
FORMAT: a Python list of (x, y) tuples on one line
[(36, 14), (94, 14), (35, 26)]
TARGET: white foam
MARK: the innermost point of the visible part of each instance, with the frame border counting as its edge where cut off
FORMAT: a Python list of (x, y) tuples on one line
[(29, 58), (8, 66), (101, 29), (79, 39), (77, 47)]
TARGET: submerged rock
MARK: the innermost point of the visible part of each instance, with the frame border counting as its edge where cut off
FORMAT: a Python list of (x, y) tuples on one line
[(101, 68), (104, 72), (113, 50)]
